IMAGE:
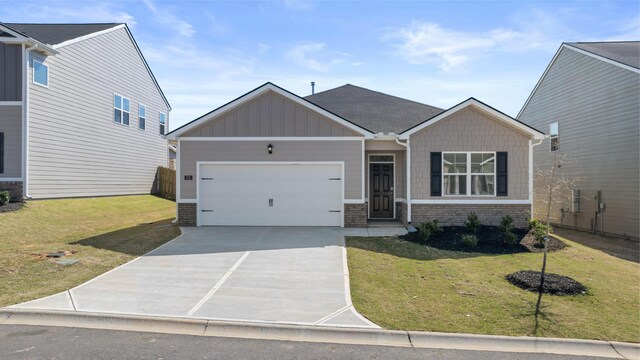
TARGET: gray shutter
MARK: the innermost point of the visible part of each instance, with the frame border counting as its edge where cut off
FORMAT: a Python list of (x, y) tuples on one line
[(502, 180), (436, 174)]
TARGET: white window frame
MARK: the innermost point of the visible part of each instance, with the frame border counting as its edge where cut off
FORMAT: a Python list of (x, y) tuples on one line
[(161, 125), (553, 136), (468, 173), (141, 105), (33, 72), (121, 109)]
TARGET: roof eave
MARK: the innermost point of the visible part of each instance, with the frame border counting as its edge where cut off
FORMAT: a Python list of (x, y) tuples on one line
[(21, 38)]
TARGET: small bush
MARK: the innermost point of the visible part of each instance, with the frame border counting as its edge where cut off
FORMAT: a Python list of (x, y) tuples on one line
[(472, 223), (540, 230), (506, 227), (469, 240), (4, 198), (428, 229)]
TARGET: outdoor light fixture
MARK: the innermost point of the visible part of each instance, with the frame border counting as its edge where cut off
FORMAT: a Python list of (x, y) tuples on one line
[(270, 148)]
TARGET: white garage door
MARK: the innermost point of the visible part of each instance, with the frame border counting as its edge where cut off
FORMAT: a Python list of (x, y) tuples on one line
[(270, 194)]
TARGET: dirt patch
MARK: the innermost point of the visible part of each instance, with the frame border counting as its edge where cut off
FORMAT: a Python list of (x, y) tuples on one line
[(554, 284), (490, 241), (13, 206)]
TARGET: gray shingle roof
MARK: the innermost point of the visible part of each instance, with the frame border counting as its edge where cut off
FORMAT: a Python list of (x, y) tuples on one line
[(624, 52), (53, 34), (373, 110)]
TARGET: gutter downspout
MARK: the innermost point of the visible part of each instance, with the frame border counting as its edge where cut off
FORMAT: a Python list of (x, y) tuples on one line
[(531, 145), (408, 174), (25, 121)]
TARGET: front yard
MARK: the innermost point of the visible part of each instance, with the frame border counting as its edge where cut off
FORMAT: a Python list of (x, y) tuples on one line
[(104, 233), (403, 285)]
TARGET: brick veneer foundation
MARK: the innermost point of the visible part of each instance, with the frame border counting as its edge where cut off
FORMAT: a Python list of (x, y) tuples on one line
[(14, 188), (187, 214), (355, 215), (456, 214)]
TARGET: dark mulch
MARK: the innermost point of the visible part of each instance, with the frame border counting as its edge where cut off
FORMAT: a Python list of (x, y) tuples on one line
[(12, 206), (554, 284), (490, 241)]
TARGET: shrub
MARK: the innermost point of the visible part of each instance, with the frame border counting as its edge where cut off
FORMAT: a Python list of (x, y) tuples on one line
[(506, 227), (540, 230), (428, 229), (4, 197), (472, 223), (469, 240)]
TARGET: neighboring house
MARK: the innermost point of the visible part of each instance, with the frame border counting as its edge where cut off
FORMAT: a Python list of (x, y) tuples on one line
[(81, 113), (349, 155), (589, 96), (171, 152)]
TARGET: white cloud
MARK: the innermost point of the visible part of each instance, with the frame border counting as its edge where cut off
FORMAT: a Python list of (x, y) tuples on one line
[(422, 43), (312, 55), (166, 16), (98, 12), (298, 5)]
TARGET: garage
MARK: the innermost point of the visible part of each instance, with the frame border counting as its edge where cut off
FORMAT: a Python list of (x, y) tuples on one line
[(270, 194)]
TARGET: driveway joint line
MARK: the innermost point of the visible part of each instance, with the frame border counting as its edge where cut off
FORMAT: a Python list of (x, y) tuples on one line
[(226, 276), (332, 315), (71, 300)]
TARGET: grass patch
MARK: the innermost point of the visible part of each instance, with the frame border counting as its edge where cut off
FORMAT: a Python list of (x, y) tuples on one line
[(403, 285), (105, 232)]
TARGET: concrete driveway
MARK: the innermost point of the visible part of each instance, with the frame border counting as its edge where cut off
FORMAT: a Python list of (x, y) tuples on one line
[(259, 274)]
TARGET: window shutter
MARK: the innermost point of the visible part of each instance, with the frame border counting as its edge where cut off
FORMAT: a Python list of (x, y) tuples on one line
[(436, 174), (501, 174), (1, 152)]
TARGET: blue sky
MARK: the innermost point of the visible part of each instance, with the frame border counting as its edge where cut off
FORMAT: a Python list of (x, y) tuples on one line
[(205, 53)]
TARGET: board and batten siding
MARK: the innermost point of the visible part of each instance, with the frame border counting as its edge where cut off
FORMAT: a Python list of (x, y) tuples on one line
[(190, 152), (10, 72), (11, 126), (470, 130), (270, 115), (76, 149), (597, 107)]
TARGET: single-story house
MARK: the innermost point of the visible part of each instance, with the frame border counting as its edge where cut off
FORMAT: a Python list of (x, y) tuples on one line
[(347, 156)]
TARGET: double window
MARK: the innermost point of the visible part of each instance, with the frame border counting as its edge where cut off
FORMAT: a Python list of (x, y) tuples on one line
[(40, 73), (142, 116), (163, 123), (120, 109), (468, 173)]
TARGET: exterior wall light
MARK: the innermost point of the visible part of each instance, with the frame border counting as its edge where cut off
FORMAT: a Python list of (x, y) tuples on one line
[(270, 148)]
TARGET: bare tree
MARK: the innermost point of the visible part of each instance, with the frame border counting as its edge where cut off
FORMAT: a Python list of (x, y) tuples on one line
[(554, 188)]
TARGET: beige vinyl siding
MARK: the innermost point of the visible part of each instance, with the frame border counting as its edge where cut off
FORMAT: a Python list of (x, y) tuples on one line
[(11, 126), (470, 130), (400, 178), (597, 106), (270, 115), (190, 152), (76, 149), (10, 72)]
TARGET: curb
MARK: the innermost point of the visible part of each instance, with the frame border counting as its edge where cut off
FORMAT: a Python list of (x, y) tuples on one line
[(322, 334)]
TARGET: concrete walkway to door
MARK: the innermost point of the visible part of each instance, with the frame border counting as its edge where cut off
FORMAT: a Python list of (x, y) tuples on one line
[(261, 274)]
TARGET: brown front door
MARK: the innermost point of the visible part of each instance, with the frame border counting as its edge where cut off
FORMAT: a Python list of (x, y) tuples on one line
[(381, 198)]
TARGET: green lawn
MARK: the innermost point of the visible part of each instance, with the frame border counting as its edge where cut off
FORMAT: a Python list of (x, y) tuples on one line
[(105, 232), (402, 285)]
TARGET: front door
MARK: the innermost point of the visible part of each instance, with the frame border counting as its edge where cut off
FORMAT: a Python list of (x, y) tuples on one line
[(381, 198)]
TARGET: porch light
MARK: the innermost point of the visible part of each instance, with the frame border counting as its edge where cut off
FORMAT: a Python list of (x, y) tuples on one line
[(270, 148)]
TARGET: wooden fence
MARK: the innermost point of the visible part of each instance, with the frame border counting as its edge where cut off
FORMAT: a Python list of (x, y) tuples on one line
[(165, 184)]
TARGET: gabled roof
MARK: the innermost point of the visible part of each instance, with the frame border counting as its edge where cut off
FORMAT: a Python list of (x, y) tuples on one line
[(624, 52), (255, 93), (618, 53), (56, 36), (373, 110), (53, 34), (479, 105)]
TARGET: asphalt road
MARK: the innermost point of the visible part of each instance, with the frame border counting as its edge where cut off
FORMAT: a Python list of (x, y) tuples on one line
[(39, 342)]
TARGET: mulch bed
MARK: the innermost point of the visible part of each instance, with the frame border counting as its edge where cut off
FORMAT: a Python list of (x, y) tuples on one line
[(554, 284), (490, 241), (12, 206)]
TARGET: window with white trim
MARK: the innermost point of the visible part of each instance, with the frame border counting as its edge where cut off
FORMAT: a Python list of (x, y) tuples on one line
[(553, 136), (468, 173), (142, 116), (40, 73), (163, 123), (120, 109)]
